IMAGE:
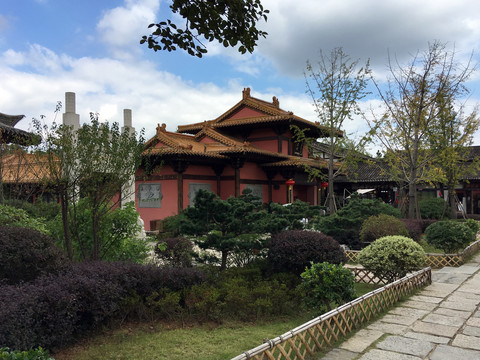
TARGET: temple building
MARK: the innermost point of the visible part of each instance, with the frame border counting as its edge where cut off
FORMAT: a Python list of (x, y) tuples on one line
[(250, 146)]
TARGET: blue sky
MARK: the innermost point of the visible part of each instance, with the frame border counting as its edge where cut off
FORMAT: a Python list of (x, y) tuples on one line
[(91, 47)]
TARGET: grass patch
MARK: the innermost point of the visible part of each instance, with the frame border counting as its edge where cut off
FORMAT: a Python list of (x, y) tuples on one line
[(162, 341), (194, 342)]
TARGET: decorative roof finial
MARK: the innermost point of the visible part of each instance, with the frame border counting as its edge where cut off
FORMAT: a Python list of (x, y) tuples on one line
[(246, 93), (162, 128), (275, 102)]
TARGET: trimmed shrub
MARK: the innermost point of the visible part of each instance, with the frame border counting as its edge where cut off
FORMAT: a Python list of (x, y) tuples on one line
[(381, 225), (324, 284), (392, 257), (414, 228), (293, 250), (450, 235), (26, 254), (434, 208), (54, 310), (11, 216), (177, 252), (473, 225), (33, 354), (39, 210), (344, 226)]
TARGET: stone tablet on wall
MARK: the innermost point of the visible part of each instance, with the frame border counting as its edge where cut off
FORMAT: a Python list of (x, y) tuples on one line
[(150, 195), (257, 190), (193, 189)]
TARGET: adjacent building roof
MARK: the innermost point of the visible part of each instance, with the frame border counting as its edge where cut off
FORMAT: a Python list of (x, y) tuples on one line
[(21, 167), (9, 134)]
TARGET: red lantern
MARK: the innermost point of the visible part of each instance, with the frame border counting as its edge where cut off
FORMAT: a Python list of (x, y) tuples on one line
[(324, 185), (290, 182)]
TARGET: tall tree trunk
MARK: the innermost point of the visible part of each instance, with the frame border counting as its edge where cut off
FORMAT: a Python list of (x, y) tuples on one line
[(331, 193), (96, 239), (412, 199), (66, 225), (223, 265), (452, 201)]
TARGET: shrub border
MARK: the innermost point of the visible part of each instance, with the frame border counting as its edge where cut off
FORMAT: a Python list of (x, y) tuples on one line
[(323, 331), (436, 260)]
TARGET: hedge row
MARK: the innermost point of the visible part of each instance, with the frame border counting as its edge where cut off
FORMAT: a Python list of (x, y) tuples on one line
[(53, 310)]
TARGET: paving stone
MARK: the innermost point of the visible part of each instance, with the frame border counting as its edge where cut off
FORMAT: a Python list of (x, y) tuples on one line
[(435, 329), (470, 295), (449, 278), (427, 299), (427, 337), (466, 341), (465, 296), (376, 354), (361, 340), (475, 321), (471, 330), (387, 328), (445, 352), (419, 305), (444, 320), (406, 345), (451, 312), (476, 314), (399, 319), (459, 305), (408, 311), (339, 354)]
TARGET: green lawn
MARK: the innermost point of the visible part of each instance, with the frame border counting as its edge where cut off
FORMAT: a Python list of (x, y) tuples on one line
[(199, 342)]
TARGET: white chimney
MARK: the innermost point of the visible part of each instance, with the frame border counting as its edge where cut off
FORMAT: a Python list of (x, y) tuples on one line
[(70, 118)]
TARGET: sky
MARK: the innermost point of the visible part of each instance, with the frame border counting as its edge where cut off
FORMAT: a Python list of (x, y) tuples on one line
[(91, 48)]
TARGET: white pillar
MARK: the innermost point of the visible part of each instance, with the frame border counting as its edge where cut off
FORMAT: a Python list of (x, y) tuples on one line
[(70, 118)]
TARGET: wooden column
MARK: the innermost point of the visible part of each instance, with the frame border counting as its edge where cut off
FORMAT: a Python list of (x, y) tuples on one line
[(179, 166), (218, 169), (237, 164), (270, 175)]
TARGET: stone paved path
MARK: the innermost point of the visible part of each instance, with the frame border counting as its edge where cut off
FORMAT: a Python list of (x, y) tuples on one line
[(441, 322)]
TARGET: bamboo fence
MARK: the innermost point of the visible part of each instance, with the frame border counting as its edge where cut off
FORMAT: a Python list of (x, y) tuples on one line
[(436, 260), (325, 330)]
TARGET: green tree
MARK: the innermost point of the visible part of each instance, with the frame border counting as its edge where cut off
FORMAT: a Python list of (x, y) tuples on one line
[(450, 139), (230, 22), (413, 103), (93, 162), (335, 88), (227, 225)]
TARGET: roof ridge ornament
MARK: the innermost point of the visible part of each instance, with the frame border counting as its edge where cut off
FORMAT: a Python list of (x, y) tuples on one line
[(246, 93), (275, 102), (162, 128)]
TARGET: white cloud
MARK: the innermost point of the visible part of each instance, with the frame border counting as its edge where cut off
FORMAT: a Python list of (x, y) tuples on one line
[(366, 29), (122, 27)]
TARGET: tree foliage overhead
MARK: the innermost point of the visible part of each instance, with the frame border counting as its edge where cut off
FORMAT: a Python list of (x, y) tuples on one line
[(416, 100), (335, 86), (230, 22)]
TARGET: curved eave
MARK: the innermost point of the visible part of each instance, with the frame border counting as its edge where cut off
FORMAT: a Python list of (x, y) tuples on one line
[(9, 134)]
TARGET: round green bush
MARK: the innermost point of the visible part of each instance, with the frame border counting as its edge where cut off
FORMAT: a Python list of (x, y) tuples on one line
[(26, 254), (323, 284), (434, 208), (294, 250), (450, 235), (382, 225), (392, 257)]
